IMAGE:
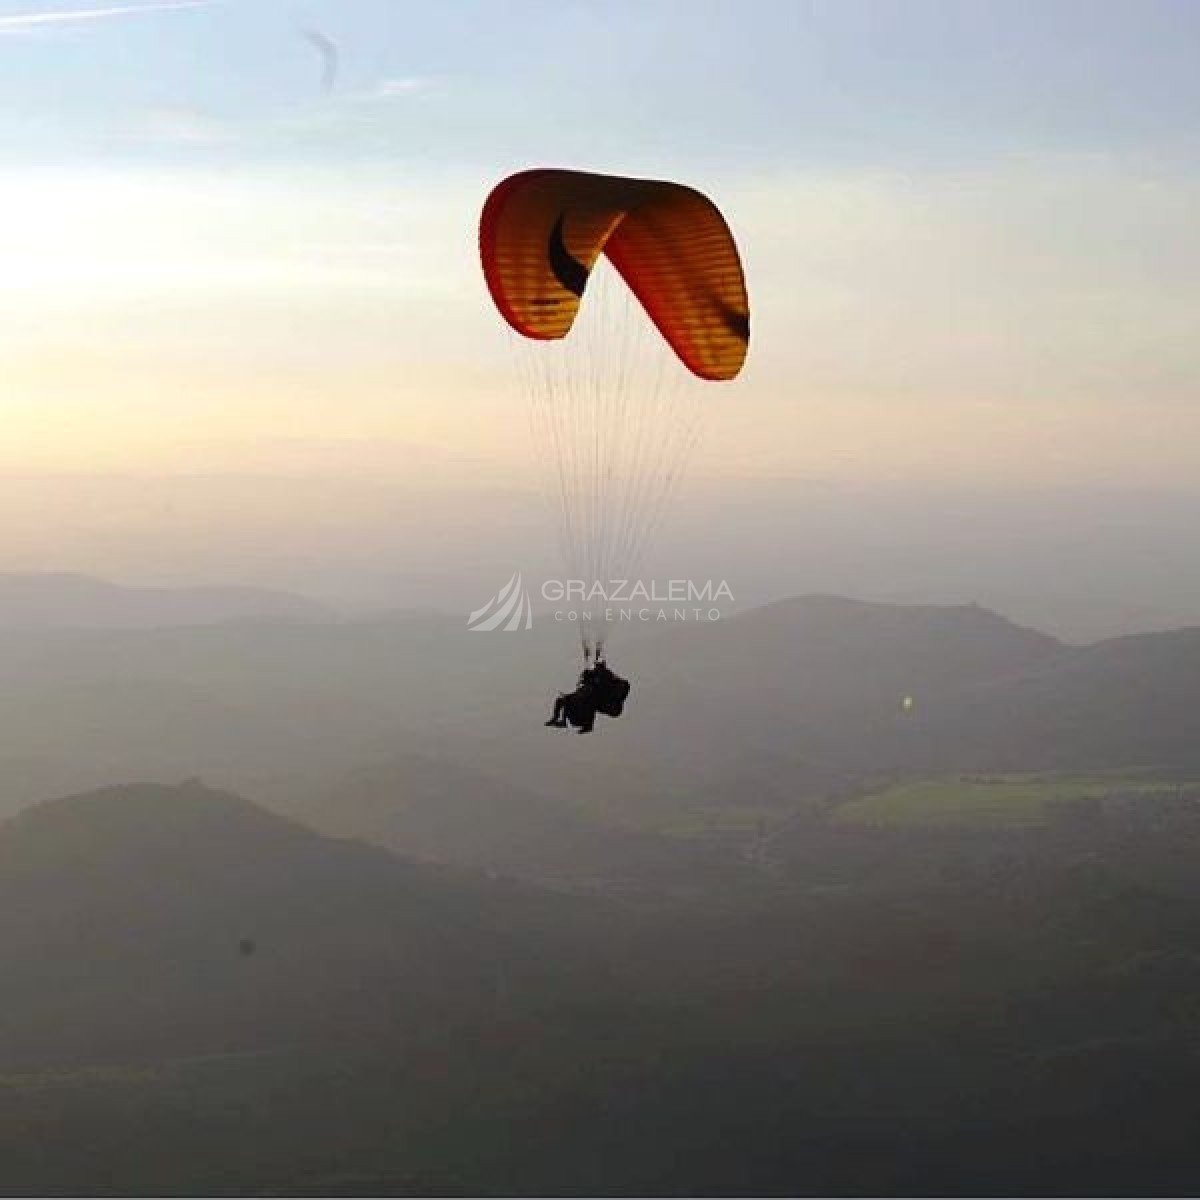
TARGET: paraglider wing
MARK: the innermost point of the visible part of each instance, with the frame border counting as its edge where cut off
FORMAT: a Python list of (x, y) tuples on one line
[(542, 231), (613, 418)]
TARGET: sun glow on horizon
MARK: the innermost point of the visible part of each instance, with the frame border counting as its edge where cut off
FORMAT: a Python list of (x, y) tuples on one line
[(898, 331)]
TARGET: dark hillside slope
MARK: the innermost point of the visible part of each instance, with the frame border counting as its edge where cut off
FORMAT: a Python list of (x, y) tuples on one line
[(147, 920)]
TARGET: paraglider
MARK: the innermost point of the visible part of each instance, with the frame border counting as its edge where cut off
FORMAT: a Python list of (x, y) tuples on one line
[(598, 691), (615, 418)]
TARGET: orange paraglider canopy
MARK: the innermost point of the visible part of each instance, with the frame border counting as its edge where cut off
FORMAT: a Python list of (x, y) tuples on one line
[(542, 231)]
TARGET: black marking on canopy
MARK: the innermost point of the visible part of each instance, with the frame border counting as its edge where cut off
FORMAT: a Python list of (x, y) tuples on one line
[(738, 323), (568, 270)]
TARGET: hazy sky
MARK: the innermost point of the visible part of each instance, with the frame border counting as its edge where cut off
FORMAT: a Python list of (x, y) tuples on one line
[(969, 230)]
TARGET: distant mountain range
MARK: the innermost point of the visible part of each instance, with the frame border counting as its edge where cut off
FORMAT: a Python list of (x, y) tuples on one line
[(325, 718), (825, 676), (80, 601), (800, 699)]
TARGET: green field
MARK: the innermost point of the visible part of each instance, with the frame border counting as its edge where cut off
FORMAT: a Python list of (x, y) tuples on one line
[(993, 801)]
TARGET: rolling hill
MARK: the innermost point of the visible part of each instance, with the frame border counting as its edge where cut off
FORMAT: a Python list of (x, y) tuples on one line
[(146, 920)]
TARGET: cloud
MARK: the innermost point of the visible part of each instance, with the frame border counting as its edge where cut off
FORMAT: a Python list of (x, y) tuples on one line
[(20, 22), (389, 89), (182, 126)]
